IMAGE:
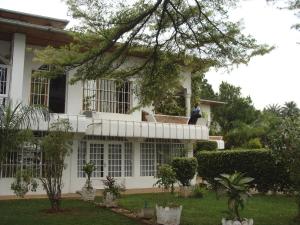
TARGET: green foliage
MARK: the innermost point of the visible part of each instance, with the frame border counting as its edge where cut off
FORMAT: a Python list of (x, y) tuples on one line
[(14, 125), (163, 34), (205, 145), (198, 190), (88, 169), (254, 144), (284, 141), (185, 169), (236, 186), (56, 146), (201, 89), (23, 183), (259, 164), (166, 178), (237, 109), (112, 187)]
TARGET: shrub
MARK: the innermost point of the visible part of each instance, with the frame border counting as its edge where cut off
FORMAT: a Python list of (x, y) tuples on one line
[(185, 169), (236, 187), (23, 183), (198, 190), (206, 145), (254, 144), (259, 164), (166, 177), (88, 170), (112, 187)]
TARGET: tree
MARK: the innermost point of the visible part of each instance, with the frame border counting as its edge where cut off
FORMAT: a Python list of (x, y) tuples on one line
[(15, 122), (237, 110), (167, 35), (201, 89), (56, 146), (284, 142)]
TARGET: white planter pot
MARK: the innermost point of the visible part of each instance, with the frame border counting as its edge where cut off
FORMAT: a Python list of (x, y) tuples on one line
[(88, 194), (168, 216), (110, 200), (235, 222)]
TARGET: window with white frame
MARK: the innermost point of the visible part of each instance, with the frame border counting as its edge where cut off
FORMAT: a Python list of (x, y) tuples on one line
[(128, 160), (97, 158), (39, 91), (81, 158), (119, 156), (115, 160), (28, 157), (4, 84), (154, 154), (147, 159), (107, 96)]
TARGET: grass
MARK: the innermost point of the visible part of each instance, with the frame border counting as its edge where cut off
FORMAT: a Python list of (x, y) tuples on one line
[(266, 210), (33, 212)]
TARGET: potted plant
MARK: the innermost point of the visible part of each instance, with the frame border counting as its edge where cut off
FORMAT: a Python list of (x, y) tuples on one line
[(236, 187), (88, 193), (112, 192), (167, 213), (185, 170)]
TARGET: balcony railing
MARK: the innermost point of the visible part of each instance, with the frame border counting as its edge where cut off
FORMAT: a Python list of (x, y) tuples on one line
[(134, 129)]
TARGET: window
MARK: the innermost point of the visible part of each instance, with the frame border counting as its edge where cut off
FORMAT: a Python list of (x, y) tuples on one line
[(49, 93), (3, 84), (97, 158), (115, 160), (39, 94), (147, 159), (154, 154), (107, 96), (81, 158), (29, 157), (119, 156), (128, 160)]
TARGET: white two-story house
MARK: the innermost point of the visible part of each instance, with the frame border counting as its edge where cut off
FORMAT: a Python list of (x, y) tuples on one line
[(123, 144)]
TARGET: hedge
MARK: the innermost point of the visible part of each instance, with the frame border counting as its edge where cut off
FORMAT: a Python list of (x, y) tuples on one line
[(205, 145), (259, 164), (185, 169)]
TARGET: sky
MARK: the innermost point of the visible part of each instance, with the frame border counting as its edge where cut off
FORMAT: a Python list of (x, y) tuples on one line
[(270, 79)]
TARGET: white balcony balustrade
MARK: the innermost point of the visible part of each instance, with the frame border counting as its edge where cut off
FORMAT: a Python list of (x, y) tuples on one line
[(132, 129)]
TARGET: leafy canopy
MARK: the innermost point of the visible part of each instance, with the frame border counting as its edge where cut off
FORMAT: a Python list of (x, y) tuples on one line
[(164, 34)]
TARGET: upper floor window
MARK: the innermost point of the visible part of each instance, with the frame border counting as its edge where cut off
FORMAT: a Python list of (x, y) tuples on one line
[(39, 94), (107, 96), (49, 93), (4, 84)]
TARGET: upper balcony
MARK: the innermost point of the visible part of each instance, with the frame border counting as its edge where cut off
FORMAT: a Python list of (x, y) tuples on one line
[(129, 129)]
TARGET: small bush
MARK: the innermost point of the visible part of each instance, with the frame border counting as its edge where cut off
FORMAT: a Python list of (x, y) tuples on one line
[(259, 164), (206, 145), (185, 169), (23, 183), (166, 177), (254, 144), (198, 191)]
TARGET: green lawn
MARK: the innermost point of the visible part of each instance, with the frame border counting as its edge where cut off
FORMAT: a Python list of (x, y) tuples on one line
[(266, 210), (32, 212)]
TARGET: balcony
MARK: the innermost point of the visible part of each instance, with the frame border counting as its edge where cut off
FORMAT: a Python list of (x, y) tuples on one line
[(129, 129)]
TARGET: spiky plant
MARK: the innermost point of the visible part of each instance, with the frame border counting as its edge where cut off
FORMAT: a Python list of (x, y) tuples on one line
[(236, 187)]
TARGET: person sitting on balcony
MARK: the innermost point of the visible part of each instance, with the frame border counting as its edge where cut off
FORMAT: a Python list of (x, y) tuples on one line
[(196, 113)]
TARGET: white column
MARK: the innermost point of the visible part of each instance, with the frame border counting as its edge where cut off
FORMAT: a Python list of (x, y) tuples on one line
[(17, 72), (187, 104)]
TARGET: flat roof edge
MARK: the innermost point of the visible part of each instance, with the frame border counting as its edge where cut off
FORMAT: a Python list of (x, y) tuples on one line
[(34, 15)]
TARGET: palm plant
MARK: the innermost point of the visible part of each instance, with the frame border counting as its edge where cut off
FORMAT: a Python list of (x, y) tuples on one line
[(236, 187), (15, 123)]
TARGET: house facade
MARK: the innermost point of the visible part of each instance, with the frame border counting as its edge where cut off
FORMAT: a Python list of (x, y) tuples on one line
[(127, 145)]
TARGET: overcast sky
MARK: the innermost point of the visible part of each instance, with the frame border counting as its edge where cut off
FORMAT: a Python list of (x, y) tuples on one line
[(270, 79)]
